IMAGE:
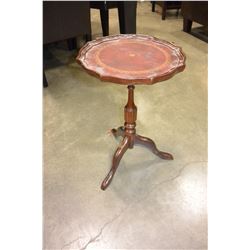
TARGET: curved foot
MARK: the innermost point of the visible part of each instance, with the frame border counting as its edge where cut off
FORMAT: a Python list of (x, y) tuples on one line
[(151, 145), (118, 132), (116, 160)]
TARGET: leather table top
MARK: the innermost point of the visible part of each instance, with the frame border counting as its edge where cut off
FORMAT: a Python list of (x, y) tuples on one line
[(131, 59)]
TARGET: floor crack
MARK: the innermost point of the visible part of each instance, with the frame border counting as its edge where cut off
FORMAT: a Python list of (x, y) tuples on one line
[(71, 242), (162, 182), (167, 180), (99, 234), (95, 238)]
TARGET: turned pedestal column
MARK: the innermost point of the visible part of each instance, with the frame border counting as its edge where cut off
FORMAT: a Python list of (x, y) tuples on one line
[(130, 138)]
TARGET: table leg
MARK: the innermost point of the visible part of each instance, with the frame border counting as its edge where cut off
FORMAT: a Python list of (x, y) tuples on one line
[(127, 16), (104, 13), (118, 132), (116, 160), (151, 145), (187, 25)]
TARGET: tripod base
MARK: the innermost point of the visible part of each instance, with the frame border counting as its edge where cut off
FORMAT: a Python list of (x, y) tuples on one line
[(130, 138), (124, 145)]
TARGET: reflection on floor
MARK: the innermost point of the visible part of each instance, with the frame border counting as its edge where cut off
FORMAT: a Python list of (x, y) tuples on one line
[(151, 203)]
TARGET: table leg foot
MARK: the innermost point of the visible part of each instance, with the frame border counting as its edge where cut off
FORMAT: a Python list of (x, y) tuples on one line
[(116, 160), (118, 132), (151, 145)]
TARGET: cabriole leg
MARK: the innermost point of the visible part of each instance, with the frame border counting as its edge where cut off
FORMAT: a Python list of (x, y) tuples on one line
[(116, 160), (151, 145)]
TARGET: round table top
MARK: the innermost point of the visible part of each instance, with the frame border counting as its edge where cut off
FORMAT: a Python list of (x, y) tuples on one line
[(131, 59)]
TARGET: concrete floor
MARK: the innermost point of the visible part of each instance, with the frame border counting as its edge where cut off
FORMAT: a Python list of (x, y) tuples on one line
[(151, 203)]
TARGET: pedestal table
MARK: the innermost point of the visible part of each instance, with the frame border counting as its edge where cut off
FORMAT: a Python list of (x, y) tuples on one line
[(131, 60)]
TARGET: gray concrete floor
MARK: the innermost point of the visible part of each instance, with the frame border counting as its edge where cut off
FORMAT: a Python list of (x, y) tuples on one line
[(151, 203)]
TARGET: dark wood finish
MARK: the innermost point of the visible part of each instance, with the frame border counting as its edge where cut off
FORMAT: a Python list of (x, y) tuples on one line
[(187, 25), (72, 44), (104, 13), (167, 5), (103, 7), (45, 82), (196, 11), (164, 10), (65, 19), (153, 6), (126, 13), (130, 138), (127, 16), (131, 59), (87, 37)]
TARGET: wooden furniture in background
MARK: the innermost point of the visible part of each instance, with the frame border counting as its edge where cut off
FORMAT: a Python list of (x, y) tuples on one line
[(131, 60), (65, 20), (126, 12), (194, 11), (167, 5)]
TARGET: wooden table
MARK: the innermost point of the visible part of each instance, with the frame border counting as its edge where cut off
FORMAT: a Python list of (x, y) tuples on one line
[(131, 60)]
